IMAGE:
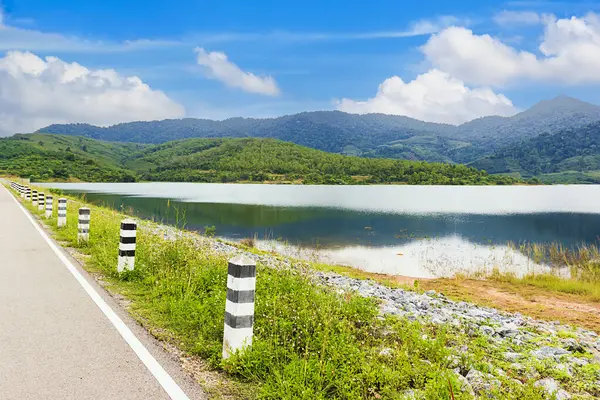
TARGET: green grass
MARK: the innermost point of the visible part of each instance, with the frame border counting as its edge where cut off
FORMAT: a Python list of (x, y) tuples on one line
[(587, 290), (310, 341)]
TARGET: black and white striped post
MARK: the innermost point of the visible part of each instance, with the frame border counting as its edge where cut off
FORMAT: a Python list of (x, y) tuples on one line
[(62, 212), (239, 306), (41, 202), (49, 204), (34, 197), (27, 194), (127, 245), (83, 225), (22, 191)]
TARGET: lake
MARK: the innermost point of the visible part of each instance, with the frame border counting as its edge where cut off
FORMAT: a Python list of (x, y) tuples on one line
[(418, 231)]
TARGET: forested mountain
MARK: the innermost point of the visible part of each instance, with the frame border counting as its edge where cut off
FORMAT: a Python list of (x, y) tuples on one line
[(548, 116), (47, 157), (329, 130), (371, 135), (572, 153)]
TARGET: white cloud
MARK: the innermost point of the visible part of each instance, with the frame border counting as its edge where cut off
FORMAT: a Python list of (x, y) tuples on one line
[(429, 26), (36, 92), (570, 54), (418, 28), (16, 38), (434, 97), (217, 66), (510, 18)]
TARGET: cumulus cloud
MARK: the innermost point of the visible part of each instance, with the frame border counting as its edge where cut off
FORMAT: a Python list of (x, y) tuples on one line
[(36, 92), (434, 96), (570, 54), (217, 66)]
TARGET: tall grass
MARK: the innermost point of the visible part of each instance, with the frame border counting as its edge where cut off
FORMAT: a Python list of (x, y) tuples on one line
[(310, 342), (581, 262)]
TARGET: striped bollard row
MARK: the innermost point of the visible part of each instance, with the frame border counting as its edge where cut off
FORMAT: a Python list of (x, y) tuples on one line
[(15, 186), (127, 245), (62, 212), (41, 202), (49, 204), (83, 225), (34, 197), (239, 306)]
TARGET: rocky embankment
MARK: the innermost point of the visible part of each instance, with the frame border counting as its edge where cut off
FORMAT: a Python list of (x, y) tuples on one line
[(563, 360)]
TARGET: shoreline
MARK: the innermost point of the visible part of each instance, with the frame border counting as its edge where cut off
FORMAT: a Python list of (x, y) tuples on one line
[(522, 335)]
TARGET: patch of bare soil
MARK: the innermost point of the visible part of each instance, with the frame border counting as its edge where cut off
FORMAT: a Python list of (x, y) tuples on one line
[(528, 300)]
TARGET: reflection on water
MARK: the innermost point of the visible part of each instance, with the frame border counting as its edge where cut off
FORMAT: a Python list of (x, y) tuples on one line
[(422, 258), (388, 240)]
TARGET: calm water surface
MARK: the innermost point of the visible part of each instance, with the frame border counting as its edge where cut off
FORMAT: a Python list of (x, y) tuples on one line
[(420, 231)]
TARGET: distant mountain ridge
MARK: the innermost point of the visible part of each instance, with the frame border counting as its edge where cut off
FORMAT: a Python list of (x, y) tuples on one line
[(371, 135), (544, 117)]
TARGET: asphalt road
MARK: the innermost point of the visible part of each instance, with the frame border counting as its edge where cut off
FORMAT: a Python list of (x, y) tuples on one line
[(55, 341)]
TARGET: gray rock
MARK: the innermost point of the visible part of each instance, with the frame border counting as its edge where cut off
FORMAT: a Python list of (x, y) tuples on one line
[(487, 330), (508, 330), (480, 381), (518, 367), (565, 369), (410, 308), (548, 352), (572, 345), (465, 386), (512, 357), (580, 362), (453, 361), (552, 388), (385, 352), (548, 384)]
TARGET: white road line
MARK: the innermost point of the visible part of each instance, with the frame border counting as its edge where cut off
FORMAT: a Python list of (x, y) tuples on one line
[(162, 376)]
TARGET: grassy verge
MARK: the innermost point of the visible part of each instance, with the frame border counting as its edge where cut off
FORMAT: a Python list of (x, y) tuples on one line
[(584, 289), (310, 341)]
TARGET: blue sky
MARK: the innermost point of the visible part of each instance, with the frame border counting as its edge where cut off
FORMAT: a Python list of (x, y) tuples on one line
[(268, 58)]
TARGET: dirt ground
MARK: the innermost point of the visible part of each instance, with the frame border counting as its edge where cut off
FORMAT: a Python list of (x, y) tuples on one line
[(529, 300), (526, 299)]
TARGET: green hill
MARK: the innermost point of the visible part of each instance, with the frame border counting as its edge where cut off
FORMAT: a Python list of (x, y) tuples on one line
[(571, 156), (61, 157), (56, 157), (229, 160)]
